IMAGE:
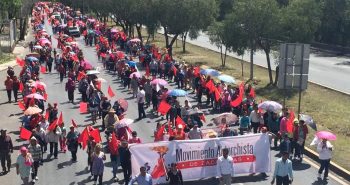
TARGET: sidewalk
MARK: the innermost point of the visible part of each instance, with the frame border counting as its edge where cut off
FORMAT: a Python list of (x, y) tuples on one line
[(21, 49)]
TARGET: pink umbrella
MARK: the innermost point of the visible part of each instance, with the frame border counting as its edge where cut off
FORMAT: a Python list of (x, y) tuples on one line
[(43, 42), (123, 103), (125, 122), (326, 135), (135, 40), (137, 74), (230, 118), (39, 85), (86, 64), (36, 96), (159, 82), (114, 30)]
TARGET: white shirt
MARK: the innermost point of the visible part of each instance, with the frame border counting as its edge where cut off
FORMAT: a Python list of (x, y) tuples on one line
[(224, 166), (254, 117), (141, 96), (324, 153)]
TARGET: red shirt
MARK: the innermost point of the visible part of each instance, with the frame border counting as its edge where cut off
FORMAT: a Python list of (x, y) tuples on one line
[(134, 140), (180, 135)]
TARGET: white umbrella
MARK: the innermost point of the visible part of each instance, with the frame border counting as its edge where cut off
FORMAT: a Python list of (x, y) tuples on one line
[(270, 106), (92, 72), (38, 47), (226, 78)]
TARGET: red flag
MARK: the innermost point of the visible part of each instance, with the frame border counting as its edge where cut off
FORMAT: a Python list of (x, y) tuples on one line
[(179, 121), (21, 87), (113, 144), (110, 92), (210, 85), (239, 99), (202, 117), (98, 85), (60, 119), (25, 134), (170, 129), (74, 124), (33, 90), (163, 107), (47, 115), (32, 102), (147, 71), (103, 55), (236, 102), (42, 69), (95, 133), (75, 58), (80, 75), (174, 70), (159, 169), (196, 71), (45, 96), (21, 105), (217, 94), (160, 132), (83, 107), (52, 125), (83, 137), (20, 61), (252, 92), (290, 121)]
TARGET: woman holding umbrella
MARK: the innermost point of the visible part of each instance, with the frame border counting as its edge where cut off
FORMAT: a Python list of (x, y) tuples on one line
[(324, 149)]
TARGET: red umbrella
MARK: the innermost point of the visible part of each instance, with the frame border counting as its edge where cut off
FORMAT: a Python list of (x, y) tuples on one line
[(123, 104), (35, 96)]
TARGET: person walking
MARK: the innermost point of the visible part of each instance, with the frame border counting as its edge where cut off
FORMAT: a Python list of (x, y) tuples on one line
[(283, 173), (63, 138), (53, 137), (141, 102), (254, 118), (299, 136), (6, 148), (115, 159), (72, 142), (35, 150), (125, 161), (97, 164), (16, 85), (225, 168), (70, 87), (174, 175), (9, 86), (143, 178), (324, 149), (23, 165)]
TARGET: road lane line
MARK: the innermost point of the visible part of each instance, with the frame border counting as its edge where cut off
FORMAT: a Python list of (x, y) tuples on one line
[(330, 174)]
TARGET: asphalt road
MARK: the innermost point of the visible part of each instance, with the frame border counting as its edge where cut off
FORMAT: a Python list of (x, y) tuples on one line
[(62, 172), (325, 69)]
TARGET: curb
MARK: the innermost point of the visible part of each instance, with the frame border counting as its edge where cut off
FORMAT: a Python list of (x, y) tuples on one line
[(340, 171)]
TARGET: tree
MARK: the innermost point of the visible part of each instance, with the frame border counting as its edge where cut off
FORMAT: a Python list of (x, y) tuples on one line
[(180, 16), (300, 20), (335, 22), (216, 36), (258, 19)]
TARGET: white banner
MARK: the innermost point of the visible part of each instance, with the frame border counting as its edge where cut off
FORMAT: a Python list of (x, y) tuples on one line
[(197, 158)]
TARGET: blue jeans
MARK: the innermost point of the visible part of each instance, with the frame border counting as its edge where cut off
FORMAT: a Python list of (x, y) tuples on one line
[(324, 166), (115, 164)]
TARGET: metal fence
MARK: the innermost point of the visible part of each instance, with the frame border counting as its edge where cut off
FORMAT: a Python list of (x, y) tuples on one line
[(8, 36)]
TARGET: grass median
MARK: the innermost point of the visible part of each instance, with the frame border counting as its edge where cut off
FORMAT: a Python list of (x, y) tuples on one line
[(6, 57), (328, 108)]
